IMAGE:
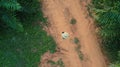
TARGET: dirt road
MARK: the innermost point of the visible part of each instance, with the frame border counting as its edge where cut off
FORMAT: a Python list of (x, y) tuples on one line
[(59, 14)]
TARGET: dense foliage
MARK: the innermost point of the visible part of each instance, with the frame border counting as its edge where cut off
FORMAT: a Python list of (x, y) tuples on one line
[(24, 49), (22, 40), (15, 13), (107, 16)]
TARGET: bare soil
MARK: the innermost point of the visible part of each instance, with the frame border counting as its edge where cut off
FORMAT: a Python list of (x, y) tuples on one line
[(59, 14)]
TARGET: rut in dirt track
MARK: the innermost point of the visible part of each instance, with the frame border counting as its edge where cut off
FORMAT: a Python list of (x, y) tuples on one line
[(59, 14)]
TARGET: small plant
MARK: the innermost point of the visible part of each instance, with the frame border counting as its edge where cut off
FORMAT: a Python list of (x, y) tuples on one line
[(76, 40), (79, 52), (51, 62), (80, 55), (58, 63), (73, 21)]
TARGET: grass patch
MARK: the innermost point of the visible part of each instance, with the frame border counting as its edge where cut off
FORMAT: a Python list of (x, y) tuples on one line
[(24, 49), (73, 21), (58, 63)]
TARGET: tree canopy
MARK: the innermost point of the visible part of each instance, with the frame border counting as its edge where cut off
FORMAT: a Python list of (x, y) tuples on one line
[(15, 13), (107, 16)]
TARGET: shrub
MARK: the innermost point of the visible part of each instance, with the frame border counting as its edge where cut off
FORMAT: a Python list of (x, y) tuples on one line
[(76, 40), (73, 21), (58, 63)]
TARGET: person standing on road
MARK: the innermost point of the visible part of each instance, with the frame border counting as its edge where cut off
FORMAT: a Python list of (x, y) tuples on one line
[(65, 35)]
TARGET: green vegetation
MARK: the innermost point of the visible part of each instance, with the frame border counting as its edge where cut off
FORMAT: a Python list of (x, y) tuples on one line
[(115, 65), (58, 63), (22, 40), (24, 49), (76, 40), (80, 54), (107, 16), (15, 13), (73, 21)]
